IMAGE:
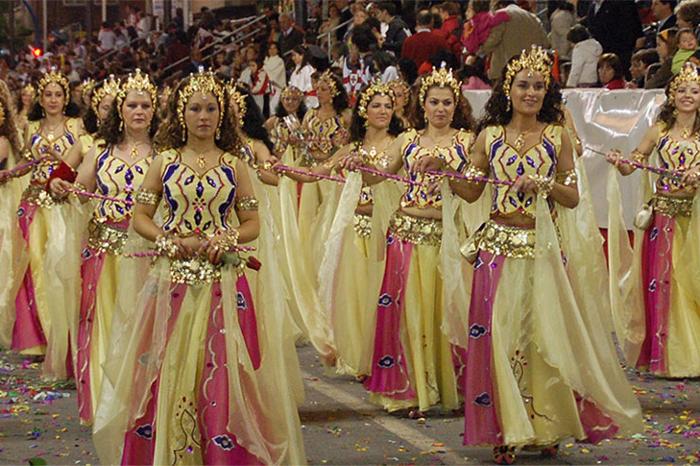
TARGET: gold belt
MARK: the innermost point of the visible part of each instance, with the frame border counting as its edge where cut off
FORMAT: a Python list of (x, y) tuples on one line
[(363, 225), (672, 206), (105, 237), (507, 241), (198, 271), (416, 230), (36, 194)]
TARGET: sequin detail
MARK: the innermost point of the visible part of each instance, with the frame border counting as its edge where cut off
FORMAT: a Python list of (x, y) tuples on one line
[(107, 237), (672, 206), (363, 225), (507, 241), (416, 230)]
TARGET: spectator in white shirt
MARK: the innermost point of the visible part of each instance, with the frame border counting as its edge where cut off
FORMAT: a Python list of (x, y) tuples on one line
[(301, 76), (106, 37), (584, 58)]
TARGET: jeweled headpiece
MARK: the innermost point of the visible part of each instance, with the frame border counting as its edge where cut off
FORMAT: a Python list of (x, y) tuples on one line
[(327, 78), (237, 97), (139, 82), (110, 86), (375, 88), (394, 83), (87, 86), (689, 74), (535, 60), (292, 91), (206, 83), (54, 76), (2, 114), (438, 78), (31, 89)]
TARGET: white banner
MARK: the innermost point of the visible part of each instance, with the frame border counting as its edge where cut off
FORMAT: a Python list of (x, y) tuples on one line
[(604, 120)]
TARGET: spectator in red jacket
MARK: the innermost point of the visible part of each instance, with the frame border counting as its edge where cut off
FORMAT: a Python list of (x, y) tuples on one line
[(610, 72), (451, 29), (425, 42)]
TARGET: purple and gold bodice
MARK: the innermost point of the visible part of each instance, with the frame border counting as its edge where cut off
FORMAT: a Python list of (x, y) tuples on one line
[(321, 136), (39, 147), (200, 204), (676, 155), (117, 178), (507, 163), (454, 155)]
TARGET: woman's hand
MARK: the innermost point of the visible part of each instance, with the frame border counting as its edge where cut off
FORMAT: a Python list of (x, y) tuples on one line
[(60, 188), (352, 162), (187, 247), (428, 164), (692, 177), (614, 157), (525, 184), (4, 176)]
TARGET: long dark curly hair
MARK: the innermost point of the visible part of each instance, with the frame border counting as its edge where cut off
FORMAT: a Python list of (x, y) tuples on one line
[(357, 124), (499, 112), (668, 109), (281, 112), (169, 135), (340, 101), (109, 129), (9, 127), (253, 123), (462, 119)]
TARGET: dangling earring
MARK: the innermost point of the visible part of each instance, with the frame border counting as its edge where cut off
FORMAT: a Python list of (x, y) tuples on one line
[(184, 135), (675, 112), (121, 125), (218, 133), (507, 103), (425, 117), (43, 113)]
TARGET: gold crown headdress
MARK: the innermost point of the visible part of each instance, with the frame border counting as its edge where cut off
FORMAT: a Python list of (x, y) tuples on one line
[(206, 83), (375, 88), (327, 78), (87, 85), (110, 86), (292, 91), (237, 97), (31, 89), (139, 82), (688, 74), (2, 114), (54, 76), (398, 82), (438, 78), (535, 60)]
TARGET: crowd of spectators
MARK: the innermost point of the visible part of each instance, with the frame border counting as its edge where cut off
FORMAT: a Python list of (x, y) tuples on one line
[(614, 44)]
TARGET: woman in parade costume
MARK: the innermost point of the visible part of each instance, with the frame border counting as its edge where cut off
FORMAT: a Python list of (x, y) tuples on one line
[(402, 97), (284, 124), (324, 131), (24, 105), (350, 272), (413, 362), (202, 378), (12, 255), (114, 168), (540, 366), (52, 135), (301, 299), (664, 273), (102, 96)]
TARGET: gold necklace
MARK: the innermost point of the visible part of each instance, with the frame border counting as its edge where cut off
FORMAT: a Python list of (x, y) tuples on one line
[(201, 161), (50, 130), (520, 140), (686, 132)]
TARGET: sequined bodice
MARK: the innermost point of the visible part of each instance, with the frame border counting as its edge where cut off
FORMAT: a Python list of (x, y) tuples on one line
[(455, 155), (676, 154), (280, 136), (322, 136), (246, 153), (507, 163), (117, 178), (198, 204), (39, 145)]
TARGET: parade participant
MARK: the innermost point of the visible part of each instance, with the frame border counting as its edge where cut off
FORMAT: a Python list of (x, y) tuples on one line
[(210, 391), (102, 96), (284, 124), (402, 96), (115, 168), (540, 368), (412, 362), (24, 105), (665, 271), (53, 133)]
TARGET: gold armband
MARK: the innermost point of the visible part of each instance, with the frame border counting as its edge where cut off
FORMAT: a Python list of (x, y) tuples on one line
[(567, 178), (146, 197), (247, 203), (544, 184), (165, 246)]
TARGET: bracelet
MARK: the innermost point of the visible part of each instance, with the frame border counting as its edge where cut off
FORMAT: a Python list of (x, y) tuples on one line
[(165, 246), (638, 156), (544, 185), (567, 178), (226, 241), (247, 203), (146, 197)]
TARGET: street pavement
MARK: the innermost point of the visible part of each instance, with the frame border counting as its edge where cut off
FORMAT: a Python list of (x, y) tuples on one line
[(39, 425)]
